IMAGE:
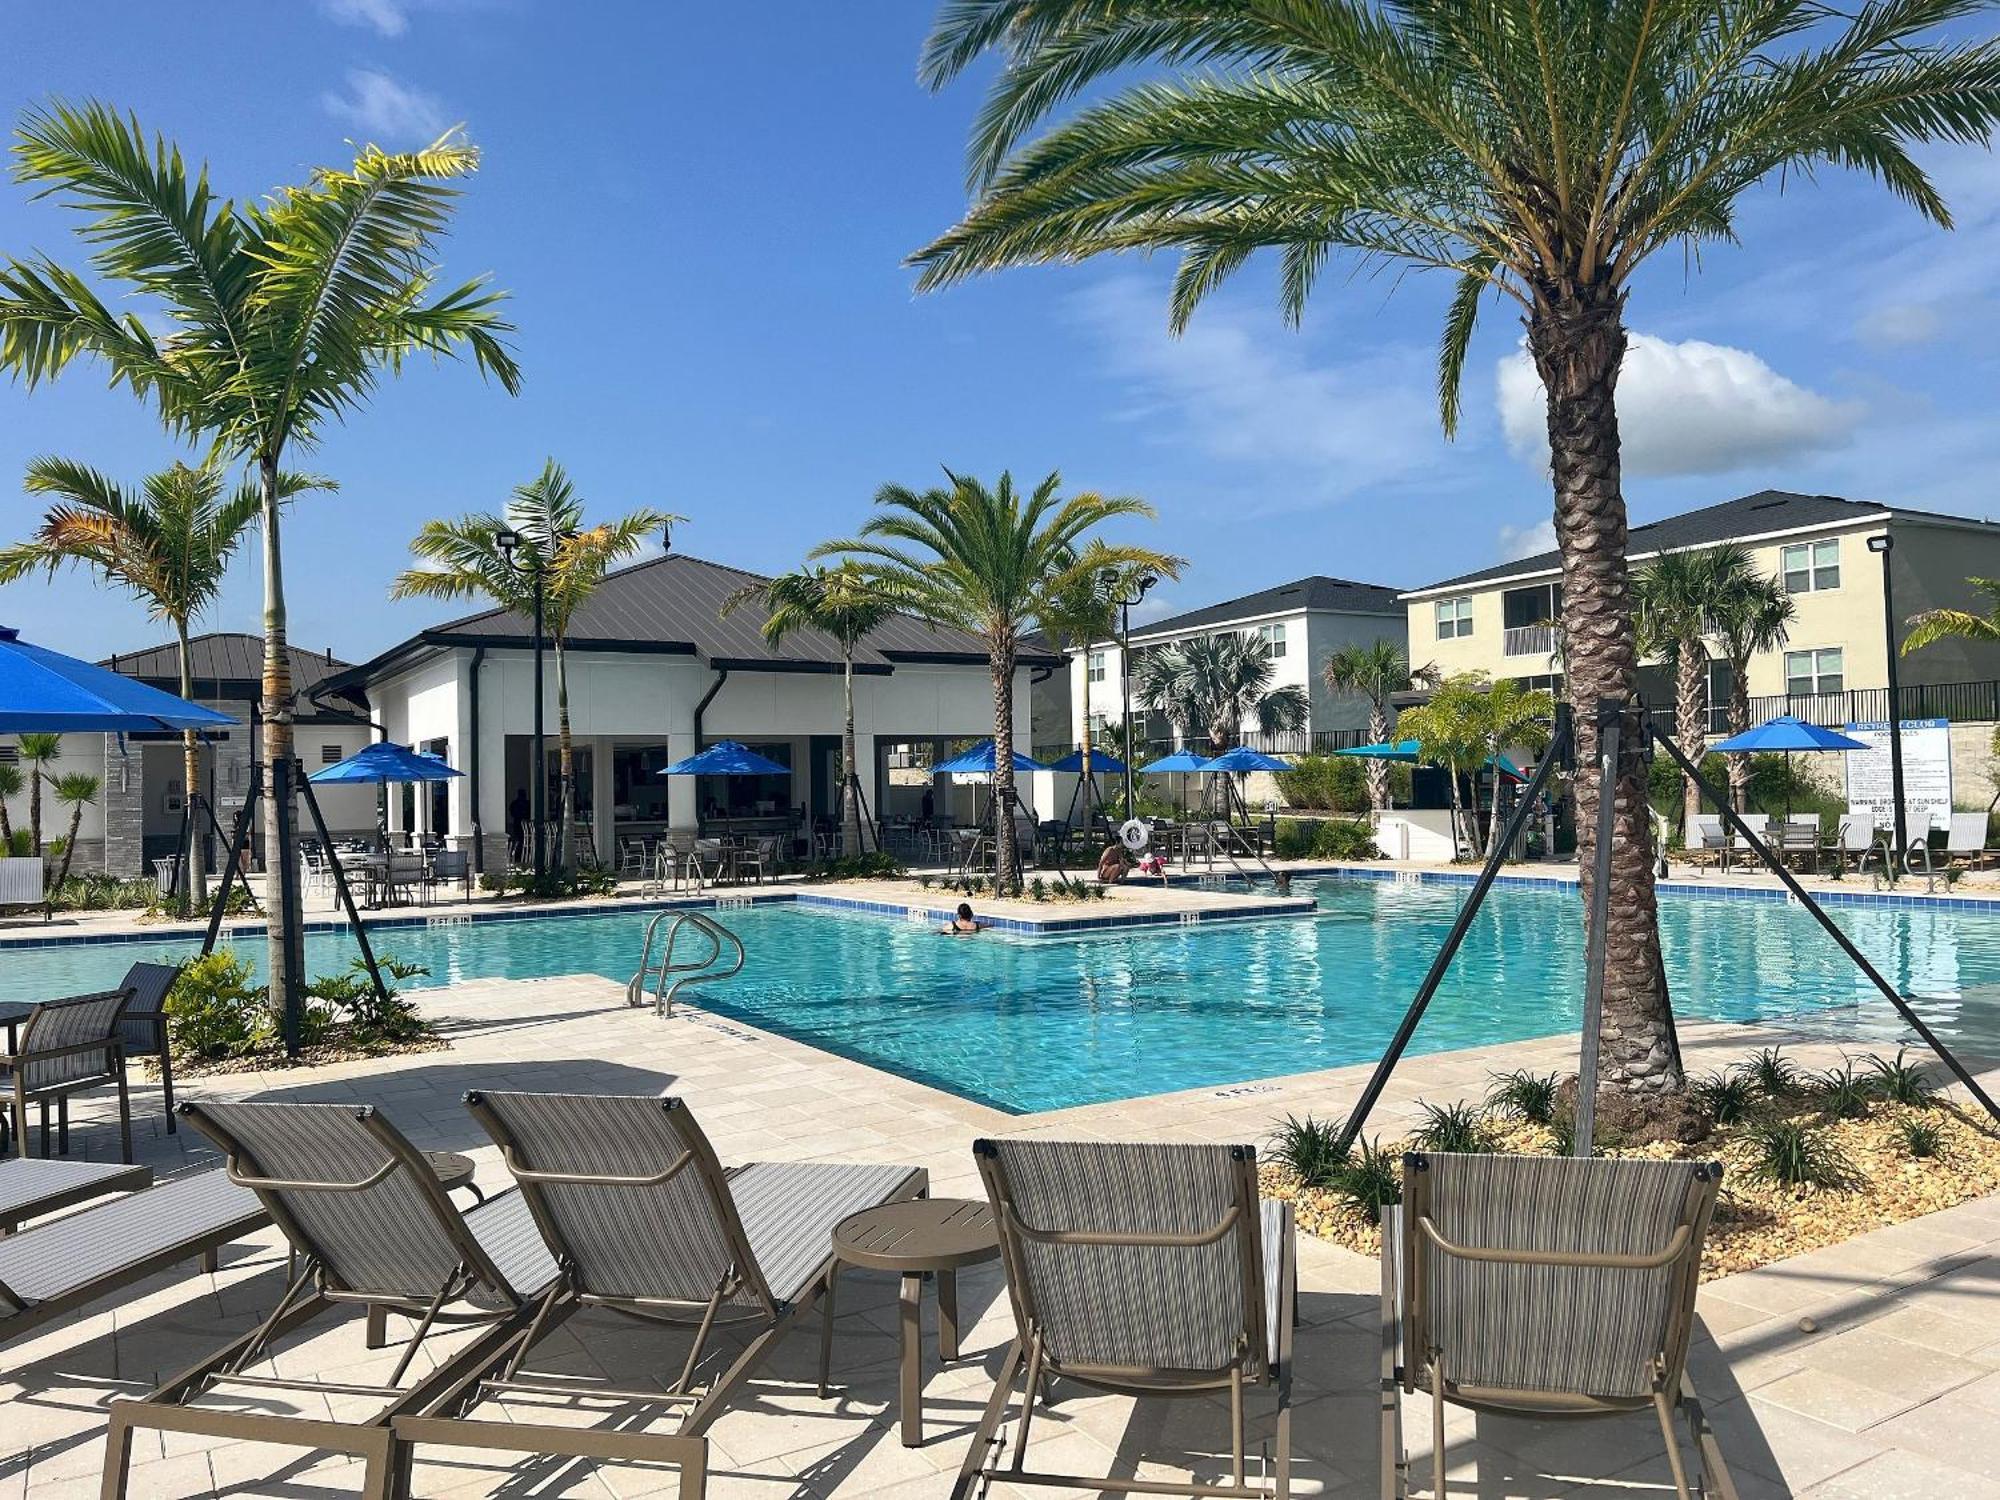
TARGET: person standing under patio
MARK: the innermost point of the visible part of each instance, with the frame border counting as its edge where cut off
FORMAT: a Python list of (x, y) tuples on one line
[(517, 825)]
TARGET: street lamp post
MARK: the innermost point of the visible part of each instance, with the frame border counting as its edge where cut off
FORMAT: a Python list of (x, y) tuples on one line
[(509, 542), (1124, 593), (1882, 546)]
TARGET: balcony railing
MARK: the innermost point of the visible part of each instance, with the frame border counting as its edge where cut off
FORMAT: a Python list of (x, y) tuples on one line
[(1528, 640)]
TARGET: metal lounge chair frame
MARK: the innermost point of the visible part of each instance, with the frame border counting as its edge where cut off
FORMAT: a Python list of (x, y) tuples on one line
[(1416, 1249), (294, 1204), (1036, 1355), (741, 1296)]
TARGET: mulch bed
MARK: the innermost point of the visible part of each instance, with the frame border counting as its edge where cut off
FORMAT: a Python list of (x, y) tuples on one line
[(316, 1056)]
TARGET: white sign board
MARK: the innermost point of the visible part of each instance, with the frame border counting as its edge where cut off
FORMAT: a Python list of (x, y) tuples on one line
[(1926, 773)]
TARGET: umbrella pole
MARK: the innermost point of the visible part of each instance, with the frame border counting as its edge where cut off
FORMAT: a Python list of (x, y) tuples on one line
[(238, 842), (340, 884)]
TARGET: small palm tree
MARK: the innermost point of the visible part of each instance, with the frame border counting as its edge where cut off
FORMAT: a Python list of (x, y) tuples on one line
[(1077, 616), (1679, 599), (546, 516), (843, 605), (285, 314), (39, 750), (986, 560), (75, 790), (1540, 151), (1210, 684), (169, 543), (1755, 616), (10, 787), (1935, 625), (1374, 670), (1449, 733), (1512, 716)]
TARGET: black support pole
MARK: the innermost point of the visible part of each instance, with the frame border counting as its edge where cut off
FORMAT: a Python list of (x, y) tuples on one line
[(340, 884), (1559, 749), (238, 842), (1889, 992)]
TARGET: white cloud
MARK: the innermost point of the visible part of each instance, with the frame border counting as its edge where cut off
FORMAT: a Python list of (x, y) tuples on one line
[(1686, 408), (386, 111), (387, 17), (1517, 542), (1895, 324)]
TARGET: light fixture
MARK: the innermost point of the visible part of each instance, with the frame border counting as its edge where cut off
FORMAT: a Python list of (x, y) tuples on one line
[(1881, 543)]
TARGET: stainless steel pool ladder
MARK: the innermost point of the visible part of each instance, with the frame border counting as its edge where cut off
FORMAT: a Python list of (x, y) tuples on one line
[(1226, 844), (666, 977)]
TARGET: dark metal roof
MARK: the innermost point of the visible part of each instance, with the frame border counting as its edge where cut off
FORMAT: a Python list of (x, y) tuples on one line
[(1333, 595), (673, 605), (221, 657), (1733, 520)]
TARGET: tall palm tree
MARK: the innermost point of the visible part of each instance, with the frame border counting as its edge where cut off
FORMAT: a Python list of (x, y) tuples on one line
[(10, 787), (1539, 151), (285, 314), (75, 790), (169, 543), (1934, 625), (572, 559), (986, 560), (1374, 670), (1209, 684), (1755, 616), (843, 605), (1678, 598), (38, 750)]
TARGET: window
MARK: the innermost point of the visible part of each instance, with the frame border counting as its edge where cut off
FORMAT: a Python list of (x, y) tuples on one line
[(329, 755), (1272, 638), (1810, 566), (1096, 668), (1810, 672), (1454, 618)]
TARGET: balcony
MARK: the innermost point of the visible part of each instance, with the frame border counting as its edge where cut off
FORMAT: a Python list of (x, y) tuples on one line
[(1528, 640)]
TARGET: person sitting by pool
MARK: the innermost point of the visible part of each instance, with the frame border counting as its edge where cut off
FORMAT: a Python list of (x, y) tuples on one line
[(962, 925), (1114, 865)]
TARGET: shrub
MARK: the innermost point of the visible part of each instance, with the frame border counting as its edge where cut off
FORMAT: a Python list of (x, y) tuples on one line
[(1038, 889), (1292, 839), (1523, 1095), (1725, 1097), (1841, 1093), (1339, 838), (1330, 783), (1369, 1182), (1453, 1127), (370, 1017), (214, 1011), (99, 892), (1923, 1139), (1306, 1149), (1796, 1155), (1902, 1082), (551, 885), (1775, 1075), (875, 864)]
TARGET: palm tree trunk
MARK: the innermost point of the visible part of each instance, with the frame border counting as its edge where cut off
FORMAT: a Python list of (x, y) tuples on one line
[(1458, 825), (1739, 723), (35, 778), (194, 879), (1089, 780), (1691, 718), (69, 844), (1577, 337), (1006, 850), (850, 801), (1376, 770), (286, 932), (6, 830), (565, 759)]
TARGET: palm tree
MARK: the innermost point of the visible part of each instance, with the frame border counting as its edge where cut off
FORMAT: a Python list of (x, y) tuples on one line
[(1209, 684), (1755, 615), (169, 543), (38, 750), (1511, 715), (75, 790), (285, 315), (1678, 598), (1535, 150), (1374, 670), (1076, 617), (1934, 625), (841, 604), (10, 786), (986, 560), (572, 559), (1448, 732)]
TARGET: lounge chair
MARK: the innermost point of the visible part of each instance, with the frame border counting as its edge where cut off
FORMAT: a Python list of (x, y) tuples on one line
[(372, 1227), (1707, 844), (642, 1218), (1857, 842), (1545, 1286), (1965, 844), (1145, 1270), (31, 1187), (55, 1268), (67, 1047)]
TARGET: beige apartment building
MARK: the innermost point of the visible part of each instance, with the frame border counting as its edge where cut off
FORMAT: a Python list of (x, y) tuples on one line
[(1832, 668)]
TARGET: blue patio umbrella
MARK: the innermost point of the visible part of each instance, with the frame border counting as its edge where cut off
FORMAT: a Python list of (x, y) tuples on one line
[(1243, 758), (726, 758), (1102, 762), (1786, 734), (385, 762), (1406, 750), (1184, 761), (979, 760), (45, 692)]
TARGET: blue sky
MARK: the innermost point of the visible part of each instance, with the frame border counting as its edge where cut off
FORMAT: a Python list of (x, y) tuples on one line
[(701, 212)]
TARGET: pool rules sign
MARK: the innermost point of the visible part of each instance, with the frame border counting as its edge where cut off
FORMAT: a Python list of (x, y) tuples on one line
[(1926, 773)]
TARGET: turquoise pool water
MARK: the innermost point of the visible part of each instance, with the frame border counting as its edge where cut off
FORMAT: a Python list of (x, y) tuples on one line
[(1039, 1023)]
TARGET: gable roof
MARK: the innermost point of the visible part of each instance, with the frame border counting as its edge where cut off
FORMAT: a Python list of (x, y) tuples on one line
[(1315, 593), (1765, 513), (672, 606), (222, 656)]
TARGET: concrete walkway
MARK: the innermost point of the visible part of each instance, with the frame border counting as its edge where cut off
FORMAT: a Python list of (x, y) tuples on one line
[(1867, 1370)]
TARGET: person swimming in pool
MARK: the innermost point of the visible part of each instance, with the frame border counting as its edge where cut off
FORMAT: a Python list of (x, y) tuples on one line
[(964, 924)]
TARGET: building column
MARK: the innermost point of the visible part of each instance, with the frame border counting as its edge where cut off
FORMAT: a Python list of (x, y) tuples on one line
[(601, 791)]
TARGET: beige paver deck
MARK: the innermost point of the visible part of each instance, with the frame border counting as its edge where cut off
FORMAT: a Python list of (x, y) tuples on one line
[(1894, 1391)]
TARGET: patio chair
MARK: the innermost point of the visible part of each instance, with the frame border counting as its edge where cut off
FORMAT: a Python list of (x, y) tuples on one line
[(452, 867), (142, 1025), (66, 1047), (405, 873), (1798, 837), (372, 1227), (52, 1269), (1707, 842), (705, 862), (1145, 1270), (1545, 1286), (1965, 842), (761, 857), (643, 1220), (633, 863)]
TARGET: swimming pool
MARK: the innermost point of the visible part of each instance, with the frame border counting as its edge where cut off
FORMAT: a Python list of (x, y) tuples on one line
[(1039, 1023)]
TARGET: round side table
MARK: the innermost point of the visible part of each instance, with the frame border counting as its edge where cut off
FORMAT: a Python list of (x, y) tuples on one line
[(924, 1236)]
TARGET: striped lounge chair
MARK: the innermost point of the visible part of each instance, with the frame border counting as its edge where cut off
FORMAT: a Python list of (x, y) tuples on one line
[(644, 1221), (1545, 1286), (372, 1227), (1145, 1270)]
